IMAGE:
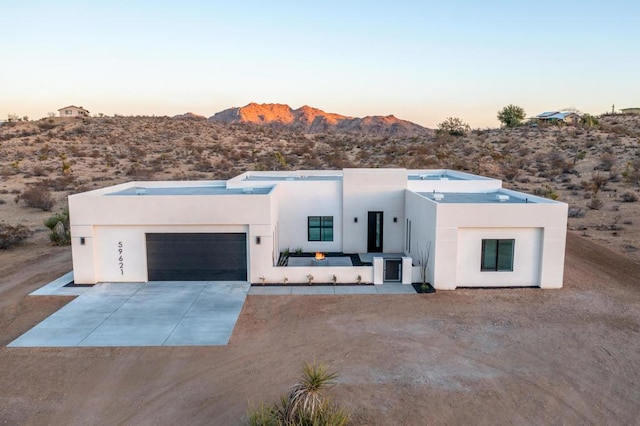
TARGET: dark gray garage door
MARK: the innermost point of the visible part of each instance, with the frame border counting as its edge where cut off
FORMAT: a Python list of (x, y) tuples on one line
[(197, 257)]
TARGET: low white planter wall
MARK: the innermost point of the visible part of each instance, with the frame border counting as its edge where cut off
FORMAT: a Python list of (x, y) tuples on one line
[(321, 275)]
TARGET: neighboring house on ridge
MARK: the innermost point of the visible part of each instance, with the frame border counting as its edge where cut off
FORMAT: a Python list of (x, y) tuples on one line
[(630, 111), (73, 111), (558, 117)]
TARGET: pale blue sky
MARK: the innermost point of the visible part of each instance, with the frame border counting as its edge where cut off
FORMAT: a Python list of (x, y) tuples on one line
[(422, 61)]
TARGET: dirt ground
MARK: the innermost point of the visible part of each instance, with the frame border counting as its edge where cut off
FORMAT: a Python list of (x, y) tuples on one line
[(512, 356)]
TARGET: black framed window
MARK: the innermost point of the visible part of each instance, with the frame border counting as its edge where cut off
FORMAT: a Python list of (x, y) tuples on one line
[(497, 255), (320, 228)]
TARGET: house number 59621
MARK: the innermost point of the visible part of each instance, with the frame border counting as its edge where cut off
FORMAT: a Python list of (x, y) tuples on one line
[(120, 257)]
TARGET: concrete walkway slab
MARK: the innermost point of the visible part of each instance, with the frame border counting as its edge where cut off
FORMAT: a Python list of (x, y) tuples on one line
[(58, 287), (143, 314), (356, 289), (312, 289)]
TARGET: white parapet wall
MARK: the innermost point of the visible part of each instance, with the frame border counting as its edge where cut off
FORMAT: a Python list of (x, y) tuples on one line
[(319, 275)]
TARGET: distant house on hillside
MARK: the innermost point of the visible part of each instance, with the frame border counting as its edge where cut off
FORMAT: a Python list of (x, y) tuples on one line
[(630, 111), (73, 111), (558, 117)]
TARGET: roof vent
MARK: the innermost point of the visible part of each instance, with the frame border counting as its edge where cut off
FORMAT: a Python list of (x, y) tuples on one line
[(502, 198), (423, 177), (247, 190), (141, 191), (438, 197)]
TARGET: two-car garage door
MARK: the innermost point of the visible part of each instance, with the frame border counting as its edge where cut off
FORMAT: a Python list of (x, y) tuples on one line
[(197, 257)]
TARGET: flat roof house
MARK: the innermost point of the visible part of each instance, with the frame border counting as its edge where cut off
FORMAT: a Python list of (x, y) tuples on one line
[(73, 111), (477, 233)]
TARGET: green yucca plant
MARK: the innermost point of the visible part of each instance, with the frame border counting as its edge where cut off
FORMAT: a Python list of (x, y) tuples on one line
[(307, 396), (305, 405)]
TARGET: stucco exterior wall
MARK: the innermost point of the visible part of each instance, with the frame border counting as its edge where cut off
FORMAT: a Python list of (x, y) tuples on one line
[(422, 214), (366, 190), (527, 253), (109, 221), (132, 241), (300, 199), (453, 258)]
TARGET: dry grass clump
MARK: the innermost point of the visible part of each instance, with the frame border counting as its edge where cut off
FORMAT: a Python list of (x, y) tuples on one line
[(12, 235), (37, 196)]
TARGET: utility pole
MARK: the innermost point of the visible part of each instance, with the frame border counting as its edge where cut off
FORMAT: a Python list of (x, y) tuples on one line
[(613, 109)]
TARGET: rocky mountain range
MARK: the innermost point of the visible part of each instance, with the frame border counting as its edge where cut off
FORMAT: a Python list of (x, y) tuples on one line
[(307, 119)]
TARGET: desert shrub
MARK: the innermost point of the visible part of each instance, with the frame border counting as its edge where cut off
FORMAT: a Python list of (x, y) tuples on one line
[(546, 191), (38, 171), (511, 115), (597, 182), (58, 224), (37, 196), (629, 197), (306, 403), (61, 183), (607, 161), (46, 125), (12, 235), (137, 171), (595, 203), (588, 120), (453, 126), (576, 212)]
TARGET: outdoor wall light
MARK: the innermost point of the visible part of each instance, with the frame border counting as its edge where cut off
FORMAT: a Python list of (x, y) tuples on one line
[(81, 241), (355, 220), (257, 240), (395, 220)]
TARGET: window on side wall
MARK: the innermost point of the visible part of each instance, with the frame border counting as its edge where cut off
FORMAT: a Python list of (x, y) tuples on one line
[(320, 228), (497, 255)]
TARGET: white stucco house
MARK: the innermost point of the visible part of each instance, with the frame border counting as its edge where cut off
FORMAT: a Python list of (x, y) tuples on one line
[(73, 111), (479, 234)]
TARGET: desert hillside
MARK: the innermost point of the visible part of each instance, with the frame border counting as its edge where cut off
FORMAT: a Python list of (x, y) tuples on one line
[(307, 119), (596, 170)]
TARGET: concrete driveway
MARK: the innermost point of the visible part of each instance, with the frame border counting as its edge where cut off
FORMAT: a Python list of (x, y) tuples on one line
[(143, 314)]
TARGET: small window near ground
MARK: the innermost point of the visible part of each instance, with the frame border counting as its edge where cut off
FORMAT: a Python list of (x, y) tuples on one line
[(497, 255), (320, 228)]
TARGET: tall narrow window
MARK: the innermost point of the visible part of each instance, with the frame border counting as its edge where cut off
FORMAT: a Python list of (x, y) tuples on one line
[(320, 228), (497, 255)]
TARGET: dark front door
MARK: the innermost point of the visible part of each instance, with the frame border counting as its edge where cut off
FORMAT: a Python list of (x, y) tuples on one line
[(197, 257), (374, 234)]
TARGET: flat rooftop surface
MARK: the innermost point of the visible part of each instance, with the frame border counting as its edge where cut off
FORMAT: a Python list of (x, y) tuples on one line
[(474, 198), (292, 178), (195, 313), (438, 176), (189, 190)]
